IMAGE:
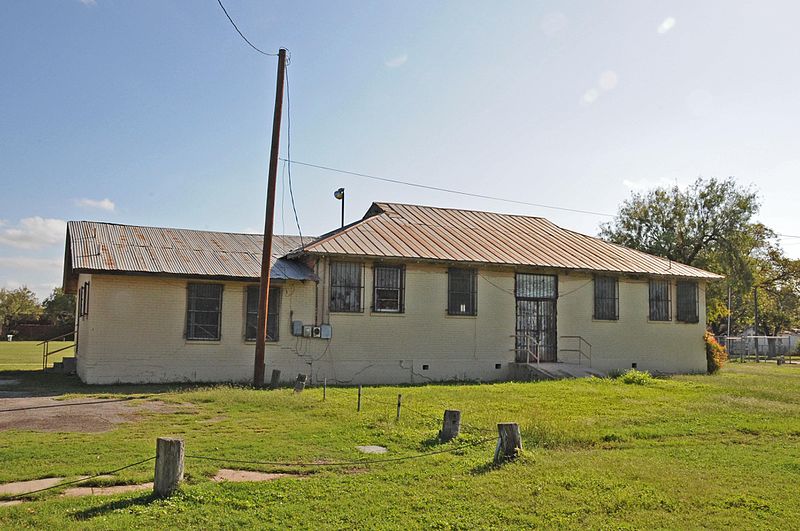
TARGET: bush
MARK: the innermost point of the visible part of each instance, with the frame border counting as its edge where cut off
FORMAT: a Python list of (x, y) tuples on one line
[(716, 354), (636, 377)]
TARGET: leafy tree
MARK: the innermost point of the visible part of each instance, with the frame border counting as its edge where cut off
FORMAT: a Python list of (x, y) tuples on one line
[(711, 225), (59, 307), (17, 304)]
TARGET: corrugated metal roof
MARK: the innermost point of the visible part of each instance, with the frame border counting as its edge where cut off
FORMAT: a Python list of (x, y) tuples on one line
[(391, 230), (132, 249)]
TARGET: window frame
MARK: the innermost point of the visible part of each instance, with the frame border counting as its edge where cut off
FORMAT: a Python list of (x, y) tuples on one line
[(83, 301), (273, 312), (472, 293), (651, 303), (601, 299), (189, 325), (681, 307), (401, 289), (359, 287)]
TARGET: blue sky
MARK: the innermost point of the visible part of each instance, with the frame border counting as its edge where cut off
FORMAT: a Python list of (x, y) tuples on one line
[(157, 113)]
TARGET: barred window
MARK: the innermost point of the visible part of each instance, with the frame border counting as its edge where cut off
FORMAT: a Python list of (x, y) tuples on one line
[(273, 310), (606, 298), (462, 291), (660, 300), (83, 301), (688, 301), (389, 290), (204, 312), (347, 286)]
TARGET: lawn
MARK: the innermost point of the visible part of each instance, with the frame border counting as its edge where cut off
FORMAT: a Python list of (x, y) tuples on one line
[(27, 355), (687, 452)]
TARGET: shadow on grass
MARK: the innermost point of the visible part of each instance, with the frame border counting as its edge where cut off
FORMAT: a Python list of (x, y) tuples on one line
[(144, 499)]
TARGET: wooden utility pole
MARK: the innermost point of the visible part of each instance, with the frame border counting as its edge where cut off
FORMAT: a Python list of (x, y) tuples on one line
[(266, 252)]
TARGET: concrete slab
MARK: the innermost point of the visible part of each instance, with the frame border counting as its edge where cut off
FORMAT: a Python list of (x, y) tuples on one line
[(371, 449), (106, 491), (228, 474), (9, 503), (21, 487)]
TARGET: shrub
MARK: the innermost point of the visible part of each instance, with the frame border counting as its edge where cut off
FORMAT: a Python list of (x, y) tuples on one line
[(716, 354), (636, 377)]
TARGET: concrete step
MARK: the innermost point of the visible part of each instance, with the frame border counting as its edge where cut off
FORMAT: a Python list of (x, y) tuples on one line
[(69, 365)]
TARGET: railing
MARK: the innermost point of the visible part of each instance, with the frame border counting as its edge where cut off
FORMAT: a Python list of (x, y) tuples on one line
[(531, 348), (583, 349), (46, 352)]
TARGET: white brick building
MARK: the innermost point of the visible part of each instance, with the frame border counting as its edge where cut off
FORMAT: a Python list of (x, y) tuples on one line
[(406, 295)]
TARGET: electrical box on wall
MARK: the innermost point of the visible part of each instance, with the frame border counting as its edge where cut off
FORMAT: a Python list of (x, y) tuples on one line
[(315, 332), (307, 330), (297, 328), (325, 331)]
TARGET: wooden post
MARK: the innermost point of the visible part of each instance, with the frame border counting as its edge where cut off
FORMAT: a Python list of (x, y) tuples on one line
[(399, 405), (275, 380), (324, 388), (451, 425), (509, 442), (359, 399), (266, 249), (169, 466), (300, 383)]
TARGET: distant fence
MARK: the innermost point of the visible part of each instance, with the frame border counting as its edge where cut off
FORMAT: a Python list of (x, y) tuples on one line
[(39, 332), (759, 348)]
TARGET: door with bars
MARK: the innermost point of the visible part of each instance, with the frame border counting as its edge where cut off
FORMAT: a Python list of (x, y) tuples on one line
[(536, 297)]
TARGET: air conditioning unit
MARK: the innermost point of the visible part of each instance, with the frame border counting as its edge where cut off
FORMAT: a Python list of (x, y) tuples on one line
[(316, 332)]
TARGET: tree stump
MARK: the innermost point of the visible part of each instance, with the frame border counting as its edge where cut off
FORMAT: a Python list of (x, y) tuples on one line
[(509, 442), (451, 425), (169, 466), (275, 380), (300, 383)]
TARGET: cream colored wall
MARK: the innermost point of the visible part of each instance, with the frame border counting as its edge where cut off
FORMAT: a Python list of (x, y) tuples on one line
[(135, 332), (663, 346), (136, 324)]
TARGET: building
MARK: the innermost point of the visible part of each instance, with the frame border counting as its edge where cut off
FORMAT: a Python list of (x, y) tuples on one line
[(408, 294)]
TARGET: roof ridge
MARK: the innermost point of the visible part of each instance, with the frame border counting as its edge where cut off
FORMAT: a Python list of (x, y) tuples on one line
[(461, 210), (183, 229)]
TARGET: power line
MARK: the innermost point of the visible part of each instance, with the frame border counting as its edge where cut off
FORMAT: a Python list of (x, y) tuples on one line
[(289, 153), (448, 190), (253, 46)]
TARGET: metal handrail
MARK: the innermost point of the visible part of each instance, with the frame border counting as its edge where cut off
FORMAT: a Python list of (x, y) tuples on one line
[(46, 352), (579, 350), (529, 350)]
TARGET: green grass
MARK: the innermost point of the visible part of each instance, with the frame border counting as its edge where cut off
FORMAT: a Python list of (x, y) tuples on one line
[(686, 452), (27, 355)]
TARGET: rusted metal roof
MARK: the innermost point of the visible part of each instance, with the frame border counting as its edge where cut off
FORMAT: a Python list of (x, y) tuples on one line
[(391, 230), (108, 247)]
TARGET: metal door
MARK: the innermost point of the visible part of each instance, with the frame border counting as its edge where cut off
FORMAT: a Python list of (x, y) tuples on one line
[(536, 297)]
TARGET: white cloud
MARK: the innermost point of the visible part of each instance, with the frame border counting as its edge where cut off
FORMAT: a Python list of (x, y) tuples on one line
[(88, 2), (102, 204), (608, 80), (28, 263), (553, 23), (644, 184), (397, 61), (590, 96), (667, 24), (34, 233)]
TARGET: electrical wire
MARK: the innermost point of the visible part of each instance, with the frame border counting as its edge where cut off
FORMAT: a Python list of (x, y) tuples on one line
[(448, 190), (362, 462), (253, 46), (81, 480), (289, 154)]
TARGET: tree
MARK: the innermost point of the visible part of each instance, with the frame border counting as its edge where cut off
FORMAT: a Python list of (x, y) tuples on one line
[(711, 225), (59, 307), (17, 304)]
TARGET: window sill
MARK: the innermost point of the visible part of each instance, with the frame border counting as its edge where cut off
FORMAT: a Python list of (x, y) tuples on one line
[(203, 341), (460, 316), (373, 312), (596, 320), (659, 321)]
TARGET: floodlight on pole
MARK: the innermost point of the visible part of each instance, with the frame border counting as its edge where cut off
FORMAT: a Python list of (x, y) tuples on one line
[(339, 194)]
